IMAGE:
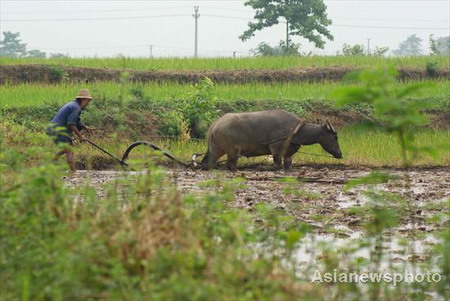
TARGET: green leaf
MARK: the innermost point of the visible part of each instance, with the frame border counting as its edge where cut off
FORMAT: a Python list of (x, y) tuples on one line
[(372, 178)]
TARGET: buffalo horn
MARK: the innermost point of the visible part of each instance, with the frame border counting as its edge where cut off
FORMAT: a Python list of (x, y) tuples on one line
[(331, 126)]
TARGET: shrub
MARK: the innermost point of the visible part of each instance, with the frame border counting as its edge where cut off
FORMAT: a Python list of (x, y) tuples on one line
[(432, 69), (199, 108), (56, 73)]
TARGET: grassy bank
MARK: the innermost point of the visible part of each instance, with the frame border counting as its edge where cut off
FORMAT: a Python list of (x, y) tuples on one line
[(28, 95), (367, 149), (237, 63)]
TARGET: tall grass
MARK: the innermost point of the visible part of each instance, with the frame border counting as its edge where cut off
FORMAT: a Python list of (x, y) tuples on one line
[(143, 241), (369, 149), (235, 63), (36, 94)]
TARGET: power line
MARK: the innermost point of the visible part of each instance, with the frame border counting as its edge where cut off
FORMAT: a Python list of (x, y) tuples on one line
[(226, 9), (209, 7), (94, 19), (96, 11), (342, 25), (391, 27), (228, 17), (215, 16), (393, 20), (212, 8), (142, 46), (93, 47), (338, 17)]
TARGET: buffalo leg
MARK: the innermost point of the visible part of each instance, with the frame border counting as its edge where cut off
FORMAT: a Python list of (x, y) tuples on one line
[(287, 160), (274, 150), (287, 163), (211, 158), (276, 161), (232, 163)]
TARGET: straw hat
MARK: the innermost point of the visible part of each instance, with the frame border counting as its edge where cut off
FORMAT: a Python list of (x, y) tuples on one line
[(84, 93)]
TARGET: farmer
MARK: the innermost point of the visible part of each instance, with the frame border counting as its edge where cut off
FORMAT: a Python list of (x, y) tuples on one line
[(66, 122)]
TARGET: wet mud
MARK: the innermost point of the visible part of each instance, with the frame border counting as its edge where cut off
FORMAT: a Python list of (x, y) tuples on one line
[(319, 199), (318, 195)]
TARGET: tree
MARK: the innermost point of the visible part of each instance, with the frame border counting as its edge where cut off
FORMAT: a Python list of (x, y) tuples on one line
[(58, 55), (440, 46), (264, 49), (349, 50), (380, 51), (11, 45), (305, 18), (411, 46), (358, 49), (36, 54)]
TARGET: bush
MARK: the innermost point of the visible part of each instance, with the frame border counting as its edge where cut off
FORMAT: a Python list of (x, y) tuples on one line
[(57, 73), (171, 122), (432, 69), (153, 244), (199, 108)]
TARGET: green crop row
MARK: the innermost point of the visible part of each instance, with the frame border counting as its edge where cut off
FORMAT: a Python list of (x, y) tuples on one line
[(28, 95), (236, 63)]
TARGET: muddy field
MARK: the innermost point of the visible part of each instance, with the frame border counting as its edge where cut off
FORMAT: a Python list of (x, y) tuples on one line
[(53, 74), (317, 199)]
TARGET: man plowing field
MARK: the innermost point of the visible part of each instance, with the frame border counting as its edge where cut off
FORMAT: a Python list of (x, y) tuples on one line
[(66, 122)]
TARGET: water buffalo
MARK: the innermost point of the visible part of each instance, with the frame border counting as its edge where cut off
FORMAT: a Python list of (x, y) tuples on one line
[(275, 132)]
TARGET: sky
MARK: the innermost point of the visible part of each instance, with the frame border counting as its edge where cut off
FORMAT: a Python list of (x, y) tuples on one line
[(113, 27)]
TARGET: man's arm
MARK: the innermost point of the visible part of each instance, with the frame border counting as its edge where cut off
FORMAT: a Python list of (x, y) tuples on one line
[(74, 123), (80, 136)]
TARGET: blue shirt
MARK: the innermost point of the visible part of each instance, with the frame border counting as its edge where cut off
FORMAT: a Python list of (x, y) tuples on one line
[(68, 115)]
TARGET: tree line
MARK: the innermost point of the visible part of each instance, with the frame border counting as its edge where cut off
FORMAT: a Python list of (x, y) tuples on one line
[(11, 46)]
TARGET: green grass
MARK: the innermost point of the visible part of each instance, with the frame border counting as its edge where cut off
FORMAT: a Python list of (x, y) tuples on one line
[(36, 94), (236, 63), (368, 149)]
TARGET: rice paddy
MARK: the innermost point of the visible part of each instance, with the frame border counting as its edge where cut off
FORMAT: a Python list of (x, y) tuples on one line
[(24, 95), (236, 63)]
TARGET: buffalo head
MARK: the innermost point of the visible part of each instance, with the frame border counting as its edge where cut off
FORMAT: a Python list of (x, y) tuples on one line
[(328, 139)]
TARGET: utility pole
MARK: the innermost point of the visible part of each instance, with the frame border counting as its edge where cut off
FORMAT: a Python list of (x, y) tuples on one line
[(196, 16), (151, 50), (287, 35), (368, 46), (287, 28), (234, 54)]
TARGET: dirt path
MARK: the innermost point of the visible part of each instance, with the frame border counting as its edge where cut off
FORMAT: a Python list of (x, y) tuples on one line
[(36, 73)]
